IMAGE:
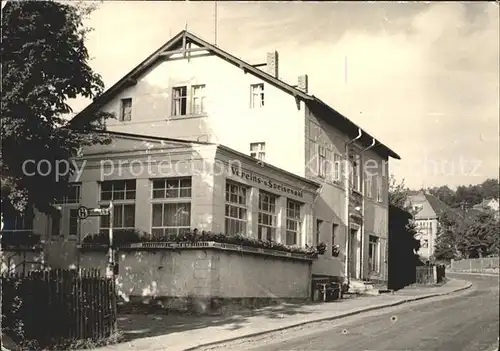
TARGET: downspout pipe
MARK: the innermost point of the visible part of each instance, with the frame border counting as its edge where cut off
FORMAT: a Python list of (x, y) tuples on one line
[(346, 207), (362, 259)]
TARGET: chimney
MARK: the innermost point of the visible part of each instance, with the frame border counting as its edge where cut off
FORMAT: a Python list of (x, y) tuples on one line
[(272, 64), (303, 83)]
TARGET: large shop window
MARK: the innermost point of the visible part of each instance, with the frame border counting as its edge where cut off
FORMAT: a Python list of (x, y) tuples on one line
[(122, 193), (171, 206), (293, 222), (236, 209), (267, 216), (14, 221)]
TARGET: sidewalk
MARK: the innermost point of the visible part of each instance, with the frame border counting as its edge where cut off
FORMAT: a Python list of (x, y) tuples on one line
[(181, 332)]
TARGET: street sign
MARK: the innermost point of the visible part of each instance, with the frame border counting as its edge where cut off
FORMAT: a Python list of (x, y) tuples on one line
[(84, 212)]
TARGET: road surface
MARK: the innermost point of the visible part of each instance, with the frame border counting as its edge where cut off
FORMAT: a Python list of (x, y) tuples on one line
[(467, 321)]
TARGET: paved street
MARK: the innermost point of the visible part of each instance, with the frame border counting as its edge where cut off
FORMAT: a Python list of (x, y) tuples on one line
[(467, 321)]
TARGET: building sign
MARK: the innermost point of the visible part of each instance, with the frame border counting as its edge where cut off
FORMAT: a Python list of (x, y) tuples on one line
[(236, 171)]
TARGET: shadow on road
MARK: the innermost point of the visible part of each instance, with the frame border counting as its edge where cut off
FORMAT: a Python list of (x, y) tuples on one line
[(135, 326)]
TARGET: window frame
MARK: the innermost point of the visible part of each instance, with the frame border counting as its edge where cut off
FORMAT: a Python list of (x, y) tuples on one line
[(183, 199), (271, 213), (257, 92), (322, 167), (123, 117), (260, 152), (202, 98), (368, 186), (296, 219), (374, 247), (119, 205), (180, 98), (229, 205), (379, 190)]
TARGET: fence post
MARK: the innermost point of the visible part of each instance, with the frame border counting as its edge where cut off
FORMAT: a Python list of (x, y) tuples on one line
[(434, 274)]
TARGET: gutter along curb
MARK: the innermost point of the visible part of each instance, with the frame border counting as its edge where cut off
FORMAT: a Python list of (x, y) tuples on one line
[(325, 319)]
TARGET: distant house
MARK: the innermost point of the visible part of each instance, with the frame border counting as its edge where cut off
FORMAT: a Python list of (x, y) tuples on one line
[(491, 205), (427, 209)]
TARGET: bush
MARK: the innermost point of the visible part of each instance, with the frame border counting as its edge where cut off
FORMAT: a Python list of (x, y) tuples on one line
[(124, 237), (20, 239)]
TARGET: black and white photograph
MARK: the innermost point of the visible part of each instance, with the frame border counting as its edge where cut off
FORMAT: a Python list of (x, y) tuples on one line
[(250, 175)]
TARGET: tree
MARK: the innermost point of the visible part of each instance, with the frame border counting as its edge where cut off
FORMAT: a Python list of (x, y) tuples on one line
[(448, 237), (44, 63), (444, 193), (479, 235), (398, 194), (399, 198)]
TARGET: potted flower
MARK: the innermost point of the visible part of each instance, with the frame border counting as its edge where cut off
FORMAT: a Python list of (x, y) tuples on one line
[(321, 247), (335, 251)]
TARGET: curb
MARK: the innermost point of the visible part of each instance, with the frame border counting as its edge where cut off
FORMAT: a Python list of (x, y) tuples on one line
[(326, 319), (476, 273)]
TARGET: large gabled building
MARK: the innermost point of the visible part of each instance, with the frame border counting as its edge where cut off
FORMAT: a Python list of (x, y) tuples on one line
[(194, 91)]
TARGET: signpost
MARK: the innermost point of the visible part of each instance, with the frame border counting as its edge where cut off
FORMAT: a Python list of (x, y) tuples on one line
[(84, 212)]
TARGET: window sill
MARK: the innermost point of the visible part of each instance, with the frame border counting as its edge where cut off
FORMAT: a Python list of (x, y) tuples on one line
[(190, 116)]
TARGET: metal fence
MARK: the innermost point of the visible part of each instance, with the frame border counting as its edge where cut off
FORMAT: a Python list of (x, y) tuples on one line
[(475, 264), (55, 307)]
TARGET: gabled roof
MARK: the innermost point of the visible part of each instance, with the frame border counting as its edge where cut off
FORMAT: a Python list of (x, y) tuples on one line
[(314, 103), (437, 205)]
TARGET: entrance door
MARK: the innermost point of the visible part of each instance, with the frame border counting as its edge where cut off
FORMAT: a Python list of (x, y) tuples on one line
[(353, 252)]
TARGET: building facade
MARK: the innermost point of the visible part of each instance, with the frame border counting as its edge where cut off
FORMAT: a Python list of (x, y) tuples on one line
[(427, 208), (193, 91)]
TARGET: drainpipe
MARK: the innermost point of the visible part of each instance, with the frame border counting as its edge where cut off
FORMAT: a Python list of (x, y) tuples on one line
[(362, 258), (346, 207)]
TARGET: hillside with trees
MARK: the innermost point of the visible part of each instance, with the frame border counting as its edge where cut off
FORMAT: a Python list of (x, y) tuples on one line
[(466, 196)]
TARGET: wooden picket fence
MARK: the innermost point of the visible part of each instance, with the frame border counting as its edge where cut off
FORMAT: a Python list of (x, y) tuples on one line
[(432, 274), (52, 307)]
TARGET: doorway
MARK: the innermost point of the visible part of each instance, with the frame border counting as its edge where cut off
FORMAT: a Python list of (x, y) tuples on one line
[(353, 251)]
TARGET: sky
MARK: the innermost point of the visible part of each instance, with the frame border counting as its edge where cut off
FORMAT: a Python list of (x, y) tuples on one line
[(423, 78)]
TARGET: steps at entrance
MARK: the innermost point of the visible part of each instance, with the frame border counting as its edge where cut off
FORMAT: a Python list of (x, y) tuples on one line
[(361, 287)]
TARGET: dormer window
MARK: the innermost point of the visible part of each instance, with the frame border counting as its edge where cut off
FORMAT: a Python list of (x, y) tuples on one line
[(258, 151), (257, 95), (126, 110)]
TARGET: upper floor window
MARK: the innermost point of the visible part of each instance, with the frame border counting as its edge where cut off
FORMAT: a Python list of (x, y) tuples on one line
[(258, 151), (322, 164), (319, 223), (179, 101), (337, 167), (267, 216), (126, 110), (293, 222), (368, 185), (355, 172), (236, 209), (257, 95), (198, 99), (379, 189)]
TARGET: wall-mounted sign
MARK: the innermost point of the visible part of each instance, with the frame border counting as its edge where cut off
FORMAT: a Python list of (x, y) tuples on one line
[(236, 171)]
